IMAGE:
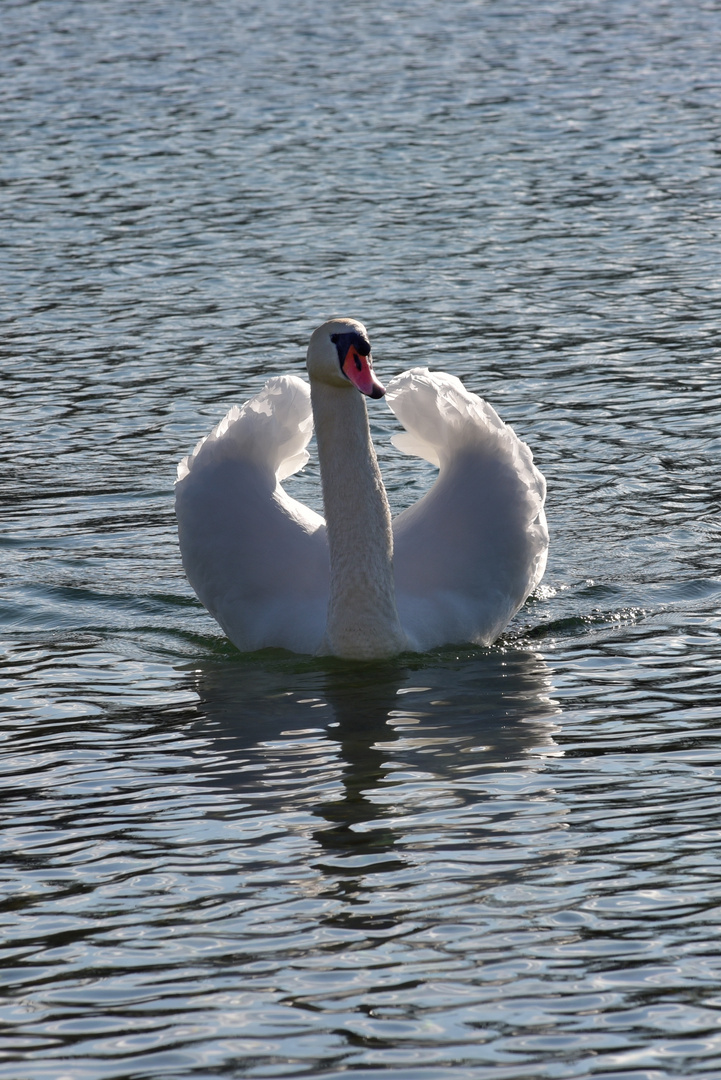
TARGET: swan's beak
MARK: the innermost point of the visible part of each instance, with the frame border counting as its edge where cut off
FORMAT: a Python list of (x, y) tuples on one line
[(359, 369)]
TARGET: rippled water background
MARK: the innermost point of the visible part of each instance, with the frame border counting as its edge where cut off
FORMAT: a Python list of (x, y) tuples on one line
[(499, 863)]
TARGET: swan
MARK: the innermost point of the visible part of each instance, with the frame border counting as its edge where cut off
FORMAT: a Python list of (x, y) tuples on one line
[(453, 568)]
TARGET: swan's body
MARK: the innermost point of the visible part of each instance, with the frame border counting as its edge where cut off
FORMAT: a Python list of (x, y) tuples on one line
[(452, 568)]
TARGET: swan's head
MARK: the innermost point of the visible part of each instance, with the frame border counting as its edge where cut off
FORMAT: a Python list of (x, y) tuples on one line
[(339, 354)]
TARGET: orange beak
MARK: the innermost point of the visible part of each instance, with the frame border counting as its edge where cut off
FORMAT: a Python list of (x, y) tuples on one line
[(359, 369)]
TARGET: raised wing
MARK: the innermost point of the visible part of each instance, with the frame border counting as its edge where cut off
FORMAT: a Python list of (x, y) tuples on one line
[(472, 549), (257, 559)]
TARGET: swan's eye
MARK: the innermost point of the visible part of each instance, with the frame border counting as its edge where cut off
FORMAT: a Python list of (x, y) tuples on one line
[(351, 345)]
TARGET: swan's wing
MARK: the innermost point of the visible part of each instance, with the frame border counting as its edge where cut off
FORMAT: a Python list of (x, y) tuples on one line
[(257, 559), (471, 550)]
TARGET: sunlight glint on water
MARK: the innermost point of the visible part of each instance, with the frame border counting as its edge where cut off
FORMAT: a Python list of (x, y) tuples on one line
[(496, 863)]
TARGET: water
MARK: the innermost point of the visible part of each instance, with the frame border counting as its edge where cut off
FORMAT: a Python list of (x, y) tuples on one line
[(500, 863)]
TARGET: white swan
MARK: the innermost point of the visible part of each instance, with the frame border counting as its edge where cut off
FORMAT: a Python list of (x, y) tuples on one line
[(452, 568)]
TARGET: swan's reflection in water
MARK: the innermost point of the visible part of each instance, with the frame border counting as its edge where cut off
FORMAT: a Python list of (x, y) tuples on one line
[(357, 748)]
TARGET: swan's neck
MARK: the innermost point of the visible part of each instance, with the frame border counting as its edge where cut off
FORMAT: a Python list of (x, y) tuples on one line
[(362, 617)]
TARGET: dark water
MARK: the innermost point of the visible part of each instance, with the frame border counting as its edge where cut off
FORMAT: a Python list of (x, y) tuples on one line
[(500, 863)]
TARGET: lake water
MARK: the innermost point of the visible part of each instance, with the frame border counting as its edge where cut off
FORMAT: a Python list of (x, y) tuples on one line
[(500, 863)]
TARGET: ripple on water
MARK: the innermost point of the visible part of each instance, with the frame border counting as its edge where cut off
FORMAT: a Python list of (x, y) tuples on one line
[(480, 862), (293, 889)]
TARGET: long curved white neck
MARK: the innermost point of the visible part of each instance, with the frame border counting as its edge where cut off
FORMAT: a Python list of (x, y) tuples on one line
[(362, 617)]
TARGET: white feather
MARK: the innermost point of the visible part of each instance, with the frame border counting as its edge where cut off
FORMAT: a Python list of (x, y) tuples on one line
[(472, 549), (465, 556)]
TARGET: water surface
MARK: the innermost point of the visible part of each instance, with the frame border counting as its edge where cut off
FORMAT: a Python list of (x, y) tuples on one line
[(500, 863)]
